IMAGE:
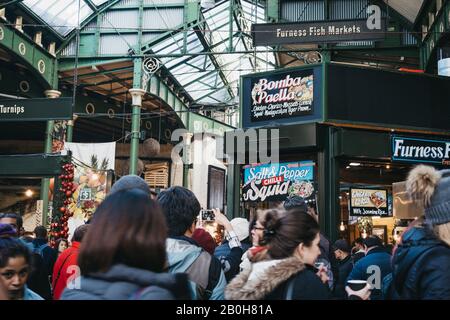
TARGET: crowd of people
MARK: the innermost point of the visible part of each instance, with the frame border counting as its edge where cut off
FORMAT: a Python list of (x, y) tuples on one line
[(139, 246)]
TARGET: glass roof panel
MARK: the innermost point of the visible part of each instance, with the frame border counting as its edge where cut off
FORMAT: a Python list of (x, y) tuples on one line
[(99, 2), (202, 76), (61, 15)]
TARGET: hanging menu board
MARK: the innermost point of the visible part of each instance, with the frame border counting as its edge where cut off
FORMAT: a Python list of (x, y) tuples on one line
[(369, 202)]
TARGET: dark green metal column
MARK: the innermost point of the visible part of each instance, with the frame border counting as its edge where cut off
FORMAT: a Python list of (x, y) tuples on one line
[(186, 158), (328, 178), (45, 184), (136, 95), (135, 128), (70, 124), (233, 190)]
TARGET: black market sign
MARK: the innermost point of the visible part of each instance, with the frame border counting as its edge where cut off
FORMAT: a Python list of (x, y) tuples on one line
[(281, 96), (39, 109), (368, 202), (420, 150), (271, 34)]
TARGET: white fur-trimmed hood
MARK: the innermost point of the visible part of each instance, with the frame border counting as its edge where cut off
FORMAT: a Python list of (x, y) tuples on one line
[(241, 288)]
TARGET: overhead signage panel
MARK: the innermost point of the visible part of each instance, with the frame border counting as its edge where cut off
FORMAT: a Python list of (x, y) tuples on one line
[(277, 181), (272, 34), (39, 109), (420, 150)]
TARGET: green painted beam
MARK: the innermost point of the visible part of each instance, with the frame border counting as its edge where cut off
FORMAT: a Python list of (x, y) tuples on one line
[(436, 35), (273, 10), (97, 73), (41, 62), (191, 11), (68, 63)]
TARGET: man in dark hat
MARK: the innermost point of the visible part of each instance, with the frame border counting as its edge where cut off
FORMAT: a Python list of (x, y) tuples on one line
[(131, 181), (374, 266), (342, 253)]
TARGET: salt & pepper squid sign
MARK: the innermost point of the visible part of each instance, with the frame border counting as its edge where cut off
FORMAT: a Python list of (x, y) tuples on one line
[(271, 34), (39, 109), (368, 202), (275, 182)]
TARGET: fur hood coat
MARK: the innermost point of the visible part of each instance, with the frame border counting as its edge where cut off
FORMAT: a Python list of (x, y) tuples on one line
[(262, 278)]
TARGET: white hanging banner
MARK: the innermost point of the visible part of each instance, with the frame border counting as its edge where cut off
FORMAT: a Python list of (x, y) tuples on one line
[(92, 161)]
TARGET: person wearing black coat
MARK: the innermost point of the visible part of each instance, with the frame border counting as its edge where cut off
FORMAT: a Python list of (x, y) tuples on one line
[(421, 267), (345, 266), (421, 262)]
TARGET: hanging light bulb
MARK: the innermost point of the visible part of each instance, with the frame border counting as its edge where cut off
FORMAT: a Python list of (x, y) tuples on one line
[(342, 227), (207, 4)]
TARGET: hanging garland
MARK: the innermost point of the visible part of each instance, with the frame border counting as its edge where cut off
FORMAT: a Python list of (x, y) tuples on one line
[(365, 224), (65, 186)]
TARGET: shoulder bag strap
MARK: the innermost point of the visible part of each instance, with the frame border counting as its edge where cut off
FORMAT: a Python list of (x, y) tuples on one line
[(60, 268)]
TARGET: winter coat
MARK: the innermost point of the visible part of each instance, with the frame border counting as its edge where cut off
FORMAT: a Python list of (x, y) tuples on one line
[(60, 272), (121, 282), (38, 280), (273, 279), (204, 270), (421, 267), (367, 268), (344, 269), (230, 258), (48, 254), (358, 256)]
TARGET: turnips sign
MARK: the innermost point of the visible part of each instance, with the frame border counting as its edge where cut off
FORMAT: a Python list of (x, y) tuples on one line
[(277, 181), (281, 96)]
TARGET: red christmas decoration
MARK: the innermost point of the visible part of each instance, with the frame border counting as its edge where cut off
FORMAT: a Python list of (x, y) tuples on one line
[(59, 227)]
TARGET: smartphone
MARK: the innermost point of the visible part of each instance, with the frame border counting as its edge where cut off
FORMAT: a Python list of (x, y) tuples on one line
[(207, 215)]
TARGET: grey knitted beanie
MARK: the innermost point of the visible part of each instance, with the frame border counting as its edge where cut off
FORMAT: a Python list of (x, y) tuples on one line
[(130, 181), (432, 188)]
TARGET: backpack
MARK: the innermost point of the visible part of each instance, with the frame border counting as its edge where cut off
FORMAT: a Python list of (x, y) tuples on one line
[(39, 250), (388, 290), (38, 280)]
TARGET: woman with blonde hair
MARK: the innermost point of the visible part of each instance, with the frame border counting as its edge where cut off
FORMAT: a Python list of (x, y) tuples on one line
[(421, 261)]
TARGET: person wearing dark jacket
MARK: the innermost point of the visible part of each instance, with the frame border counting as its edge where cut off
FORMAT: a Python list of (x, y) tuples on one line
[(358, 250), (373, 267), (345, 266), (40, 245), (292, 239), (67, 262), (421, 261), (181, 208), (123, 256), (230, 252), (45, 258)]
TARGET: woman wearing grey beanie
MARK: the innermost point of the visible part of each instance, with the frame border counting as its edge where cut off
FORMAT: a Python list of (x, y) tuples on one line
[(421, 261)]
